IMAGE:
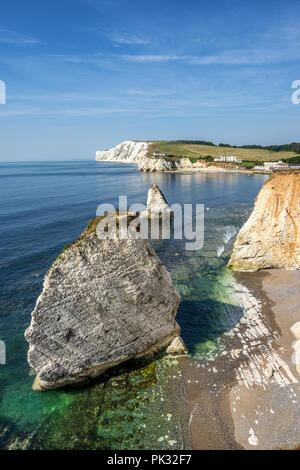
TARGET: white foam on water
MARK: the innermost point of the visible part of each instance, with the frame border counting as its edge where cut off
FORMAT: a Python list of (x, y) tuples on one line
[(230, 232), (220, 251)]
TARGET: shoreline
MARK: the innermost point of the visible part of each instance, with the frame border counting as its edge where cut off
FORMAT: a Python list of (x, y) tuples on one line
[(202, 170), (266, 416), (232, 403), (192, 170)]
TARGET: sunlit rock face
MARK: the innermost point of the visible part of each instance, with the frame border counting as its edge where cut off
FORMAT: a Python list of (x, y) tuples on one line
[(156, 164), (271, 236), (162, 164), (104, 301), (177, 347), (129, 151), (157, 206)]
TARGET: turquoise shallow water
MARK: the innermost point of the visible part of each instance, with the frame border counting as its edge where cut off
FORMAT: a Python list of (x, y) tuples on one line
[(44, 207)]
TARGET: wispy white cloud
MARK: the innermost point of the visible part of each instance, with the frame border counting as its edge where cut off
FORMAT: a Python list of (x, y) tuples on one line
[(145, 103), (124, 96), (26, 111), (204, 38), (13, 37), (129, 41), (96, 59), (70, 112), (234, 57), (154, 58), (73, 58), (155, 92)]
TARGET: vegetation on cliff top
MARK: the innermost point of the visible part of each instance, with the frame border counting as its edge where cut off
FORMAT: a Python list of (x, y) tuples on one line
[(199, 149), (89, 230)]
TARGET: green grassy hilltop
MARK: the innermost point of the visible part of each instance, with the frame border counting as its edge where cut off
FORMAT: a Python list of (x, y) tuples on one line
[(196, 151)]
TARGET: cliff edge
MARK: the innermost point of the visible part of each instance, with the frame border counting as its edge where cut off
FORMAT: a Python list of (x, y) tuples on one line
[(271, 236)]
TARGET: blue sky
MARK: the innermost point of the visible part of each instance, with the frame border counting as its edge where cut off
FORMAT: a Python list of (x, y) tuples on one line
[(83, 75)]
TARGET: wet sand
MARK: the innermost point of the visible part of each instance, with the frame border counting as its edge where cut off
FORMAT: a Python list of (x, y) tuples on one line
[(248, 398), (268, 417), (209, 417)]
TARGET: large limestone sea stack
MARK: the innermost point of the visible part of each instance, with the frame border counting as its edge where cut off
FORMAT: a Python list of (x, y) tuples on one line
[(271, 236), (104, 301)]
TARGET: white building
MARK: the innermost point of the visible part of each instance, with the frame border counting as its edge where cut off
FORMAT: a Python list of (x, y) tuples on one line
[(270, 166), (227, 159), (159, 154), (274, 165)]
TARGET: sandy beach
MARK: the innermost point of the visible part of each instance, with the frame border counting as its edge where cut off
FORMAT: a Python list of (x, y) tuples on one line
[(248, 398)]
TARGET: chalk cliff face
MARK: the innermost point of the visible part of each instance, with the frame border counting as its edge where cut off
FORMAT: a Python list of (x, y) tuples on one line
[(271, 236), (126, 152), (104, 301)]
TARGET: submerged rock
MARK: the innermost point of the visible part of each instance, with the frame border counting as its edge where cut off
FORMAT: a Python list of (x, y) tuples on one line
[(157, 206), (177, 347), (104, 301), (270, 238)]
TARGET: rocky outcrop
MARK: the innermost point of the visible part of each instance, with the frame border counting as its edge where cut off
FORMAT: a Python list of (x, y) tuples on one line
[(157, 206), (271, 236), (156, 164), (162, 164), (129, 151), (104, 301), (177, 347)]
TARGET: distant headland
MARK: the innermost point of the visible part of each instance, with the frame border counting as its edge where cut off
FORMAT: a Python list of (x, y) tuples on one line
[(200, 155)]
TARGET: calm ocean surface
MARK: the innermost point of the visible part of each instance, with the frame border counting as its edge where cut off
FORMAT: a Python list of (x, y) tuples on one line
[(44, 206)]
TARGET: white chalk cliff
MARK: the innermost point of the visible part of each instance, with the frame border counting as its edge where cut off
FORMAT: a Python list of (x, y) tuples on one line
[(129, 151)]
